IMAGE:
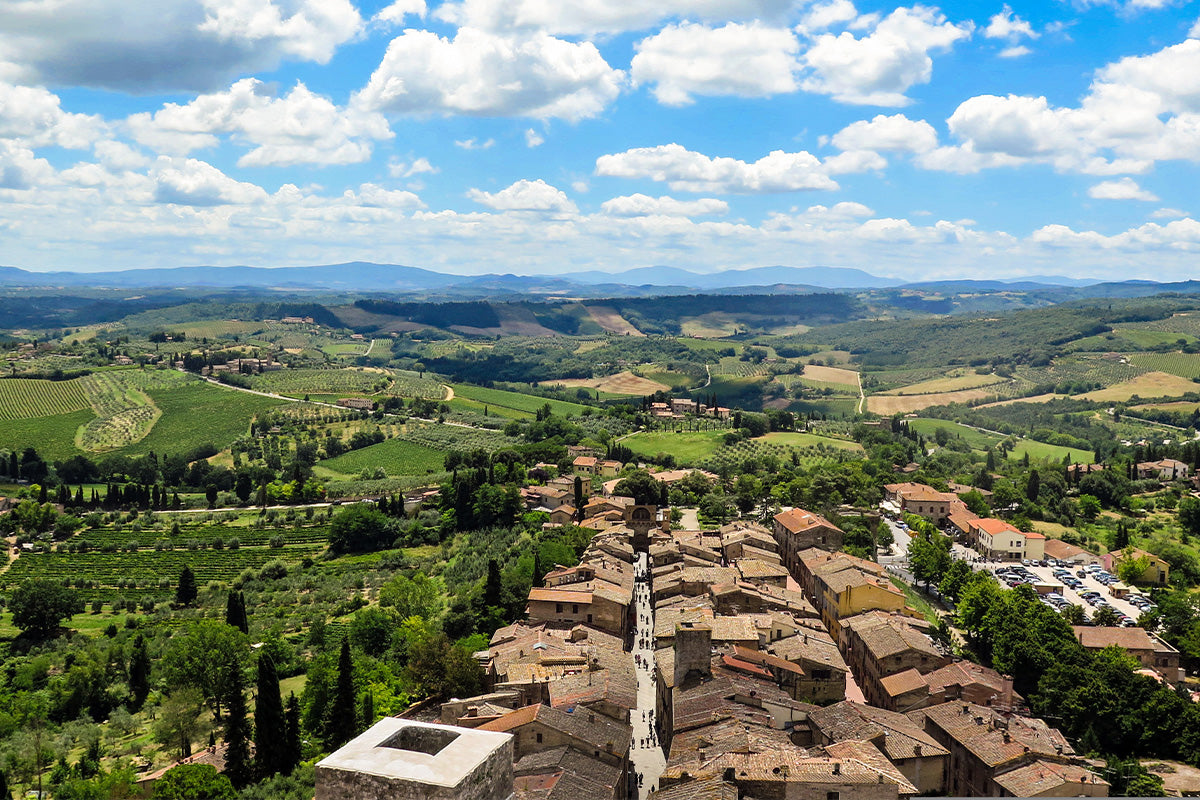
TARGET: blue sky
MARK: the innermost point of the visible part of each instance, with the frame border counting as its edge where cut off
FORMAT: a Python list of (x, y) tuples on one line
[(973, 139)]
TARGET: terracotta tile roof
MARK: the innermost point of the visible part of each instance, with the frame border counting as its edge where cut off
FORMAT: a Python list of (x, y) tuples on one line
[(966, 673), (1097, 638), (993, 526), (1057, 548), (810, 648), (754, 569), (1048, 778), (899, 737), (889, 636), (594, 730), (872, 765), (910, 680), (559, 594), (994, 739), (769, 660), (707, 789), (798, 520), (745, 666)]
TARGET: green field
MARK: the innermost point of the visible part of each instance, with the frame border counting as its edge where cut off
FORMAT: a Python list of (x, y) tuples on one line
[(686, 446), (299, 382), (514, 400), (1038, 452), (53, 437), (1185, 365), (476, 407), (978, 440), (396, 456), (798, 439), (200, 413), (26, 398)]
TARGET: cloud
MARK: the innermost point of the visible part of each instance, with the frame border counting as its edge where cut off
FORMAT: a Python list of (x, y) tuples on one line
[(299, 128), (1016, 51), (1194, 33), (1007, 25), (601, 16), (394, 14), (688, 171), (526, 196), (880, 67), (35, 117), (826, 15), (1168, 213), (407, 169), (1138, 110), (474, 144), (178, 45), (190, 182), (20, 169), (1123, 189), (640, 205), (370, 195), (533, 138), (895, 133), (747, 60), (481, 74)]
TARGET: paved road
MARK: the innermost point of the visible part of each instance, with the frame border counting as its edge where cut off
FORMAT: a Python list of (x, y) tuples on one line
[(691, 519), (645, 752)]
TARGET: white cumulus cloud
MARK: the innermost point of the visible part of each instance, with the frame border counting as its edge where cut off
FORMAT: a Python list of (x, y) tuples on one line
[(641, 205), (688, 171), (880, 67), (1123, 189), (299, 128), (525, 195), (888, 133), (1007, 25), (35, 116), (747, 60), (190, 182), (483, 74)]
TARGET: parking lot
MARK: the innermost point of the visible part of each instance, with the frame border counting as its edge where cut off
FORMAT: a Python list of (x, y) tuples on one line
[(1073, 595), (897, 559)]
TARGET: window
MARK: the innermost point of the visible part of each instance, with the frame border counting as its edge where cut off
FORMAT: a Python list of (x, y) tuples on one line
[(589, 618), (558, 608), (539, 738), (574, 608), (832, 795)]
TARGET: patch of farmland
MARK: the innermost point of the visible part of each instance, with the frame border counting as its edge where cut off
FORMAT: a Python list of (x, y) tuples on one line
[(396, 456), (886, 405), (1185, 365), (26, 398), (608, 318), (299, 382), (816, 372), (124, 413), (947, 384), (622, 383), (1150, 385)]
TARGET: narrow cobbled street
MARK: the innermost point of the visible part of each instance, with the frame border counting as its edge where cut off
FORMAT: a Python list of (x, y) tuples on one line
[(646, 753)]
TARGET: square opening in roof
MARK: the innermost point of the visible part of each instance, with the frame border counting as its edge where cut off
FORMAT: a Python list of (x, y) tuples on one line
[(419, 739)]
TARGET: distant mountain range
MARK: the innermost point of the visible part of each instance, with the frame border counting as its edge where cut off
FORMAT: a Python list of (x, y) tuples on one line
[(367, 277)]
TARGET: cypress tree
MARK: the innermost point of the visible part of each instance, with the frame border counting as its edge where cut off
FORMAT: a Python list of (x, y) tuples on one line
[(343, 717), (538, 569), (139, 672), (186, 592), (270, 733), (237, 732), (235, 612), (5, 794), (492, 589), (368, 709), (292, 747)]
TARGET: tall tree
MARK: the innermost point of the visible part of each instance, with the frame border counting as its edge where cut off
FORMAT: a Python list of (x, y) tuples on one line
[(292, 746), (270, 727), (139, 672), (235, 612), (343, 715), (492, 589), (238, 768), (186, 592), (1033, 486)]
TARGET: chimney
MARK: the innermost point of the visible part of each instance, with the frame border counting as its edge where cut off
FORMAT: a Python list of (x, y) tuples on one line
[(592, 718), (473, 711), (837, 768), (1007, 738), (917, 750)]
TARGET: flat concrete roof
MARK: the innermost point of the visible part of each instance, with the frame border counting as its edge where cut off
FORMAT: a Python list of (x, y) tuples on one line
[(377, 752)]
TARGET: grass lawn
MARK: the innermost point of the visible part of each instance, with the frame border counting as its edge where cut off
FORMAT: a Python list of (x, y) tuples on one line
[(797, 439), (200, 413), (87, 623), (1149, 385), (1039, 451), (977, 439), (514, 400), (918, 601), (686, 446), (477, 407), (396, 456), (53, 437)]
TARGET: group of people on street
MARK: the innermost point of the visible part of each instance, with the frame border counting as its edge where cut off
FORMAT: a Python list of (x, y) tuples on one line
[(646, 734)]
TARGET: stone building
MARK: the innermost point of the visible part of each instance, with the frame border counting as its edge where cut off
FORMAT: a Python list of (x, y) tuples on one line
[(400, 759)]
